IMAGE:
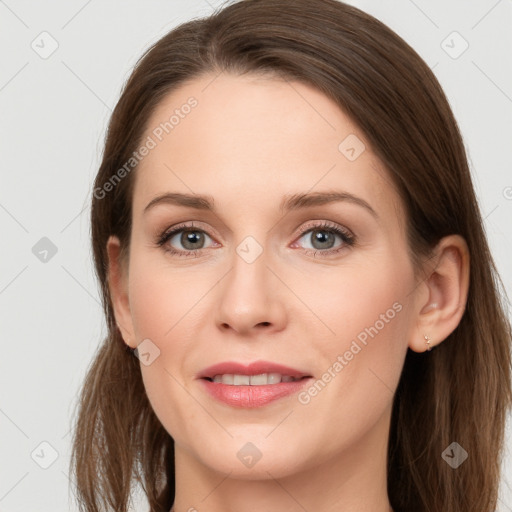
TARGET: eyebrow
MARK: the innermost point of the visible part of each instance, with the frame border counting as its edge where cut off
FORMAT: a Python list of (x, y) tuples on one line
[(290, 202)]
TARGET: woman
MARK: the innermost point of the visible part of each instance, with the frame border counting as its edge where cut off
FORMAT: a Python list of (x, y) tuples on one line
[(303, 312)]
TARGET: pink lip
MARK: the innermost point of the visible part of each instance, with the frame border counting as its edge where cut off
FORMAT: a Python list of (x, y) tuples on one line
[(256, 368), (251, 396)]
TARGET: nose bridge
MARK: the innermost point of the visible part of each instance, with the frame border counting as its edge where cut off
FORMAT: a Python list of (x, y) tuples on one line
[(248, 296)]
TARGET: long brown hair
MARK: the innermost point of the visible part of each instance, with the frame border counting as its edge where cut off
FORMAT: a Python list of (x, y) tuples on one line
[(459, 392)]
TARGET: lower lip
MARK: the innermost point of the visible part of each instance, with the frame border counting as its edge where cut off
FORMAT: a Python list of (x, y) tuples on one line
[(252, 396)]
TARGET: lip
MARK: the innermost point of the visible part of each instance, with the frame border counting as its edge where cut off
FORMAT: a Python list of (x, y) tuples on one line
[(255, 368), (249, 397)]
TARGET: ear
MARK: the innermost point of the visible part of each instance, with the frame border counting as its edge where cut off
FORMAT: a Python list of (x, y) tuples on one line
[(118, 285), (443, 294)]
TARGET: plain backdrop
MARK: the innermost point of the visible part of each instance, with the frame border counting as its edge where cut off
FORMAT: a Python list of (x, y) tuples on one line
[(62, 67)]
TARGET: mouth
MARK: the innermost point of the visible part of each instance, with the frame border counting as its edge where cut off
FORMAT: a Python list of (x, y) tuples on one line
[(250, 386), (262, 379), (258, 373)]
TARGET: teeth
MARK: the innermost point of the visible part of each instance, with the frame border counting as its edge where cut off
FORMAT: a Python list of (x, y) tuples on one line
[(239, 380), (253, 380), (259, 380), (273, 378)]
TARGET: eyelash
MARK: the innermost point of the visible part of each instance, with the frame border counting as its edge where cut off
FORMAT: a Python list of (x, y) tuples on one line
[(347, 237)]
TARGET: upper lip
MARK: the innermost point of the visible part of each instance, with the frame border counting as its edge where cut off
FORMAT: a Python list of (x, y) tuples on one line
[(255, 368)]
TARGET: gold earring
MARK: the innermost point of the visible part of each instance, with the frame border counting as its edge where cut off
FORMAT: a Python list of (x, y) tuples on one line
[(427, 339)]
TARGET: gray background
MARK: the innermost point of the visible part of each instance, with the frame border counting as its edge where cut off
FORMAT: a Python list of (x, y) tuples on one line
[(54, 112)]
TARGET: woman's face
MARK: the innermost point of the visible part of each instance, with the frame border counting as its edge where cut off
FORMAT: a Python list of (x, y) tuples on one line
[(276, 271)]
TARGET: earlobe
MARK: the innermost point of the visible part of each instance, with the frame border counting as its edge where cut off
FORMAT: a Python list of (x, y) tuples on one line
[(446, 290), (118, 286)]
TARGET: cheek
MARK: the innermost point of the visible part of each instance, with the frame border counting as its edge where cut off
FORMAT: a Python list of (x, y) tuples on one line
[(361, 300), (159, 303), (361, 359), (167, 307), (159, 298), (365, 321)]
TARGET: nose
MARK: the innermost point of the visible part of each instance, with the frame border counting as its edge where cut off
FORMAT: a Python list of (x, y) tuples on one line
[(251, 298)]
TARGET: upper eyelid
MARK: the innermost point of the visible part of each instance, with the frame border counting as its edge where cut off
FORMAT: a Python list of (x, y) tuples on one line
[(323, 224), (185, 226)]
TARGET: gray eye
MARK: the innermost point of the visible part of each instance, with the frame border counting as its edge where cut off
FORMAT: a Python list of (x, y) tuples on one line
[(321, 238), (190, 239)]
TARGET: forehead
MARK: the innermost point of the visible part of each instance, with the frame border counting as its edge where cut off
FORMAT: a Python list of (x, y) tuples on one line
[(250, 139)]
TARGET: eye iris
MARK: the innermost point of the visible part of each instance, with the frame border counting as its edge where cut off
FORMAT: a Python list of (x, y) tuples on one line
[(191, 237), (321, 236)]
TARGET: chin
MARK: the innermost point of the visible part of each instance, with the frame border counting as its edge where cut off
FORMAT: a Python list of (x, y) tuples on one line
[(252, 457)]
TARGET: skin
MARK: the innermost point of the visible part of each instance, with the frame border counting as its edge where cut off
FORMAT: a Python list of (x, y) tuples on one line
[(249, 142)]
